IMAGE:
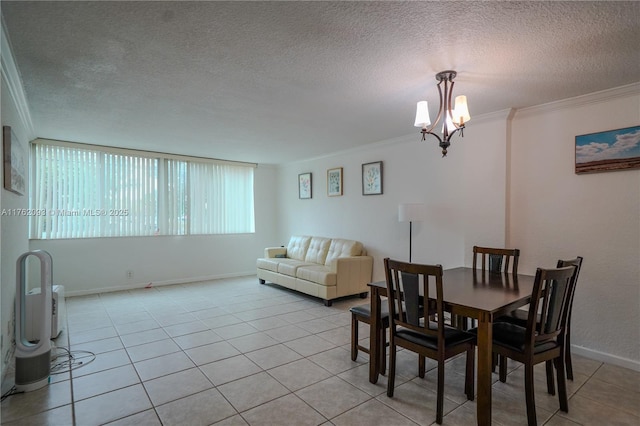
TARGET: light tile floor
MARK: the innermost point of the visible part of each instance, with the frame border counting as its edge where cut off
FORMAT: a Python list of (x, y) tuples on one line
[(234, 352)]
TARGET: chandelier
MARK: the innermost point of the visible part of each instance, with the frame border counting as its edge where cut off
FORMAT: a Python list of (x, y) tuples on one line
[(453, 119)]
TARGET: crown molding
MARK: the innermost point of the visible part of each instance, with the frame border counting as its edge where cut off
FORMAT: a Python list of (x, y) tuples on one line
[(628, 90), (11, 75), (504, 114)]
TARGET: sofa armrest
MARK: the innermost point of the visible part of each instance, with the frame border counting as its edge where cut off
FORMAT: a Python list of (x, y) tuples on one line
[(271, 252), (353, 273)]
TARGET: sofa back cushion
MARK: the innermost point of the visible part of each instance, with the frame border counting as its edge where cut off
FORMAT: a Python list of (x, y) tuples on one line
[(318, 249), (297, 247), (342, 248)]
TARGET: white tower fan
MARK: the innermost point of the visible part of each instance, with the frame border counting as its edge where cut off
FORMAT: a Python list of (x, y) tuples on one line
[(33, 360)]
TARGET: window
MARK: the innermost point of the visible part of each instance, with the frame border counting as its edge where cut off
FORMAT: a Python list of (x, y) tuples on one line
[(84, 191)]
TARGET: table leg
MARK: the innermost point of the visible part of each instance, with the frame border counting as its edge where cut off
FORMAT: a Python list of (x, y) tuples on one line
[(374, 336), (485, 337)]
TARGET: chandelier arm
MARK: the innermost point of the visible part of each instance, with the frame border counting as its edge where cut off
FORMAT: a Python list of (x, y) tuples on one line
[(449, 105), (448, 115), (435, 122), (458, 127), (440, 140)]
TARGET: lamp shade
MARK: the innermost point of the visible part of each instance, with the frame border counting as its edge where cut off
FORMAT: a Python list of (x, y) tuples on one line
[(461, 111), (422, 115), (410, 212)]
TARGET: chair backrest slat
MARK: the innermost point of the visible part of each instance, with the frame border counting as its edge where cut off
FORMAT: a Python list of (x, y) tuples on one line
[(411, 293)]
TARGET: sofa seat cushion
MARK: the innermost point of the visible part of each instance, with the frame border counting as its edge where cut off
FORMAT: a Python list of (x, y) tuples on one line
[(297, 247), (318, 274), (290, 266), (270, 264)]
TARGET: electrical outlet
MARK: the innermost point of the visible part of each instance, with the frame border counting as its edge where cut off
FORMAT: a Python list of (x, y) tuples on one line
[(129, 274)]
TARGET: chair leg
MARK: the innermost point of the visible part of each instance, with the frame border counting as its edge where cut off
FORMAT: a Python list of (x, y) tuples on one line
[(567, 354), (391, 378), (562, 384), (503, 368), (551, 387), (383, 351), (440, 397), (494, 362), (469, 373), (354, 337), (529, 394), (421, 366)]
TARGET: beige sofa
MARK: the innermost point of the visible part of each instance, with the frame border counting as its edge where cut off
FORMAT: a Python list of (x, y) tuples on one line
[(327, 268)]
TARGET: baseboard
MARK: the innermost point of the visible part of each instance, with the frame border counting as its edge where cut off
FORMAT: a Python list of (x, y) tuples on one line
[(605, 357), (137, 286)]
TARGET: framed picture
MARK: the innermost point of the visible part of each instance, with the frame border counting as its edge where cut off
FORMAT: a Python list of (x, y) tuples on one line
[(304, 186), (608, 151), (372, 178), (15, 171), (334, 182)]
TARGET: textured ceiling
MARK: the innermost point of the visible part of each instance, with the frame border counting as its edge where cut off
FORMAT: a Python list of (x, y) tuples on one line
[(273, 82)]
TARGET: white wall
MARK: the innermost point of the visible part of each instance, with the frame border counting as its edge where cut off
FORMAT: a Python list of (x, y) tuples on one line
[(94, 265), (558, 214), (484, 212), (464, 195), (13, 229)]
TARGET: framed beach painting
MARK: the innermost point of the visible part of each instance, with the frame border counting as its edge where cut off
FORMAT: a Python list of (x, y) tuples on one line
[(334, 182), (15, 162), (304, 186), (372, 178), (608, 151)]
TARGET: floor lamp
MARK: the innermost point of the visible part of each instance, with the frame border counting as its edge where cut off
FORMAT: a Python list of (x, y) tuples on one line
[(410, 213)]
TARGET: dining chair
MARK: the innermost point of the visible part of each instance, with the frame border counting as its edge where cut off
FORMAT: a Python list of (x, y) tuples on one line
[(520, 316), (419, 327), (492, 260), (544, 336), (496, 259), (362, 313)]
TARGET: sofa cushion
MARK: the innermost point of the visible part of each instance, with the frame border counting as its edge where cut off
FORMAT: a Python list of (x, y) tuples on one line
[(269, 264), (290, 266), (317, 251), (297, 247), (318, 274), (342, 248)]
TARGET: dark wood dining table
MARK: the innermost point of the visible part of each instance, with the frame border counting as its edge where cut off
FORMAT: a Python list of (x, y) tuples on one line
[(472, 294)]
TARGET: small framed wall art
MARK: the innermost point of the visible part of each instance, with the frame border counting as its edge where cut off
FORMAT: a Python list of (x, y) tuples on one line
[(15, 169), (608, 151), (304, 186), (372, 178), (334, 182)]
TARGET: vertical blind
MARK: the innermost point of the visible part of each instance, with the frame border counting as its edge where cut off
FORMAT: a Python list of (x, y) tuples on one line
[(84, 192)]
